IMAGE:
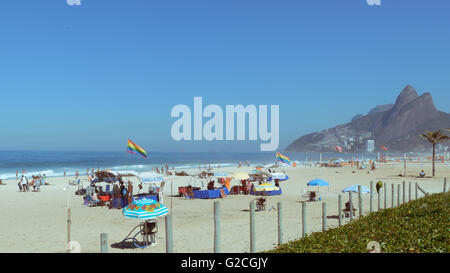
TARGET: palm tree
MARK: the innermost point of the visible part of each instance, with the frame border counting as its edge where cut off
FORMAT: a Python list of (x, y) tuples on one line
[(434, 138)]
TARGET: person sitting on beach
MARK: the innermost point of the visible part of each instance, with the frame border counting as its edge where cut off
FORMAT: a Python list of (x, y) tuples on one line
[(422, 174), (211, 185), (94, 197), (190, 192), (347, 208)]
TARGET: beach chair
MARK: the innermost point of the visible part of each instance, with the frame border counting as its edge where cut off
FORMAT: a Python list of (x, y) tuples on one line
[(304, 194), (312, 196), (91, 203), (346, 211), (261, 204), (74, 183)]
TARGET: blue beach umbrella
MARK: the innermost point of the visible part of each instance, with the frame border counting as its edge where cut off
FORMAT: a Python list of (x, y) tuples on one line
[(354, 188), (318, 182), (145, 209)]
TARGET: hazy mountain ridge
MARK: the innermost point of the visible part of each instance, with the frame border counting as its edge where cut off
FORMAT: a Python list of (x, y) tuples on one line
[(397, 126)]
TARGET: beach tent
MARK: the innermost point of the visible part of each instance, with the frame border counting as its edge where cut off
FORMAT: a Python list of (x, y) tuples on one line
[(354, 188), (318, 182)]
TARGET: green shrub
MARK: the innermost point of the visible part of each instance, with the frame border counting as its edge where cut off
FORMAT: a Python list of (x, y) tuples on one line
[(418, 226)]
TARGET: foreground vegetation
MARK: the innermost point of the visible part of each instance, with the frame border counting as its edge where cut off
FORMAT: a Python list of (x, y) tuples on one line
[(420, 226)]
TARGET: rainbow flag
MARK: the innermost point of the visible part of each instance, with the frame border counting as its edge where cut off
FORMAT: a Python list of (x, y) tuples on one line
[(133, 148), (283, 158)]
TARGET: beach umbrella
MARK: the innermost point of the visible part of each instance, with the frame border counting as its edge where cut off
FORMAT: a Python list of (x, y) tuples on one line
[(266, 187), (318, 182), (145, 209), (279, 176), (354, 188), (258, 172), (240, 176)]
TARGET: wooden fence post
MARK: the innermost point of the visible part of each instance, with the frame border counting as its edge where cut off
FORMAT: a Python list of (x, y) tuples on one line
[(280, 224), (379, 200), (351, 204), (340, 209), (216, 227), (392, 195), (409, 192), (324, 216), (398, 195), (304, 231), (104, 242), (371, 196), (404, 192), (169, 236), (385, 196), (417, 192), (360, 201), (252, 227)]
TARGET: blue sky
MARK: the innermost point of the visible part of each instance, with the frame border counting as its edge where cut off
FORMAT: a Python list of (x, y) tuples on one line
[(88, 77)]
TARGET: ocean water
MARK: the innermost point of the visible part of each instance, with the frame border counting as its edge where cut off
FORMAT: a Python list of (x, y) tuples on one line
[(56, 163)]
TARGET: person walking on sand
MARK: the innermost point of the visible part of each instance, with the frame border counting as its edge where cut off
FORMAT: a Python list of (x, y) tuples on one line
[(17, 175), (24, 182)]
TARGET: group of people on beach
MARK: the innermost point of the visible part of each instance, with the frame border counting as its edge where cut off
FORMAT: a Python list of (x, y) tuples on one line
[(36, 182), (247, 163), (119, 197)]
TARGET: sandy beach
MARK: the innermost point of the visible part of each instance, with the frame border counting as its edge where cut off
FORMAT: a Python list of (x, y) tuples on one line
[(37, 221)]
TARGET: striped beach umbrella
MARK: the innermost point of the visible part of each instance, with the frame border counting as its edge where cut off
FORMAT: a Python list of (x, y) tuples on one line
[(145, 209), (266, 187)]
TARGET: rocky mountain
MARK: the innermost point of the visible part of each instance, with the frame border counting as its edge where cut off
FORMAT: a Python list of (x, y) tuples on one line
[(380, 108), (396, 126)]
